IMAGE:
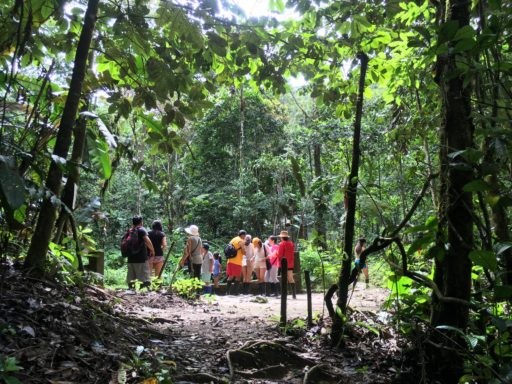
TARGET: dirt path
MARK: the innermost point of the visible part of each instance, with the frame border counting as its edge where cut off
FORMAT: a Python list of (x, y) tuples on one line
[(199, 337), (87, 334), (268, 309)]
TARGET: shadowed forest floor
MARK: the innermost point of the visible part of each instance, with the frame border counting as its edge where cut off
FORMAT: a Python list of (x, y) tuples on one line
[(62, 334)]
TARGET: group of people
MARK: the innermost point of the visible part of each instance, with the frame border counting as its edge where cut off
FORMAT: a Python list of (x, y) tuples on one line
[(252, 256), (150, 256)]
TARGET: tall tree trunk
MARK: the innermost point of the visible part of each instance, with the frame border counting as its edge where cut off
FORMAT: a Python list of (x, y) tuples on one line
[(349, 230), (69, 192), (319, 201), (453, 270), (36, 256)]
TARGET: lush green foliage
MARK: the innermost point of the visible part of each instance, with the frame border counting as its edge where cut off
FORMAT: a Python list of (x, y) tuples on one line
[(186, 122)]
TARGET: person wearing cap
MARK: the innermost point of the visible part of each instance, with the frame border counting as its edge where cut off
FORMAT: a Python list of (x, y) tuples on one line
[(207, 268), (261, 253), (234, 265), (192, 251), (362, 267), (286, 251)]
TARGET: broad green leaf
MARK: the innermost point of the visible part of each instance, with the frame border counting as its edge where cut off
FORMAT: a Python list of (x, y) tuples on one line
[(399, 284), (368, 327), (466, 32), (464, 45), (12, 188), (276, 5), (20, 213), (10, 379), (436, 252), (420, 243), (486, 259), (476, 186), (447, 31), (217, 44)]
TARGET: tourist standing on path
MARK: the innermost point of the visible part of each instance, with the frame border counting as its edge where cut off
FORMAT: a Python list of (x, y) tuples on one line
[(159, 241), (286, 250), (234, 265), (260, 265), (358, 249), (271, 274), (217, 268), (207, 268), (247, 264), (137, 262), (192, 252)]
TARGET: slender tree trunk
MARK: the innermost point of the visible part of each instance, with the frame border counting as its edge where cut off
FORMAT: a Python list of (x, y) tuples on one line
[(344, 277), (69, 192), (320, 206), (36, 256), (453, 270)]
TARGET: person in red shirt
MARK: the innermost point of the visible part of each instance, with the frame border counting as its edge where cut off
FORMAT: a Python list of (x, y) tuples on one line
[(287, 250)]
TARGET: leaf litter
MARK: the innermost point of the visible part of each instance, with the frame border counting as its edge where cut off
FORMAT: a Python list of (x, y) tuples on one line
[(65, 334)]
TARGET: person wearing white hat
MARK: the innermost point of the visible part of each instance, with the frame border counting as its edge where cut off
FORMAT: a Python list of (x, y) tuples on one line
[(192, 251)]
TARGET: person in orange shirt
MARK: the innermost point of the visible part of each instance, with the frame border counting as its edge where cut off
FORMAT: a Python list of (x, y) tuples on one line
[(234, 265)]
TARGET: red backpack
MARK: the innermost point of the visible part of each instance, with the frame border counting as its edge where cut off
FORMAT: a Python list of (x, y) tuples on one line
[(130, 244)]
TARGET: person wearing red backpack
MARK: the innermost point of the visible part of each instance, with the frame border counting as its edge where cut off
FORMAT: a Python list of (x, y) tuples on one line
[(138, 269)]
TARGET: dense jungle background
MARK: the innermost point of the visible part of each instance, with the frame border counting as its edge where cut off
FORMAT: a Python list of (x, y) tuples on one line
[(333, 120)]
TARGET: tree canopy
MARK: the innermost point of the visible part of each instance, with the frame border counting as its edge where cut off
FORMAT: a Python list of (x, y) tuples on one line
[(186, 111)]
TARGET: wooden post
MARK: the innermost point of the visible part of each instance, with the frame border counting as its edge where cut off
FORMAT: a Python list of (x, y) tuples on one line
[(284, 290), (307, 280)]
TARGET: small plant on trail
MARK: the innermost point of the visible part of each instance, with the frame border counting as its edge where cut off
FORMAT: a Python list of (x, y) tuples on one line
[(8, 365), (188, 288), (295, 327), (156, 283), (154, 368)]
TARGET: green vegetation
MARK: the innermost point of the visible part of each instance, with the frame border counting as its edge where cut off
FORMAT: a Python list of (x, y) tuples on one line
[(400, 133)]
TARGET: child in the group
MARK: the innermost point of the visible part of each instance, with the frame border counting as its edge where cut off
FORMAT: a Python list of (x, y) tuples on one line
[(207, 268), (217, 268)]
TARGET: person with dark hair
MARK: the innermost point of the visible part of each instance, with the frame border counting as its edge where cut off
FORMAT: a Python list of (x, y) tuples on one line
[(207, 268), (260, 263), (137, 262), (362, 267), (217, 269), (272, 267), (286, 250), (159, 241), (234, 265)]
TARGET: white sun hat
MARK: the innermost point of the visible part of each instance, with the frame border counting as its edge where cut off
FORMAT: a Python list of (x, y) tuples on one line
[(192, 230)]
